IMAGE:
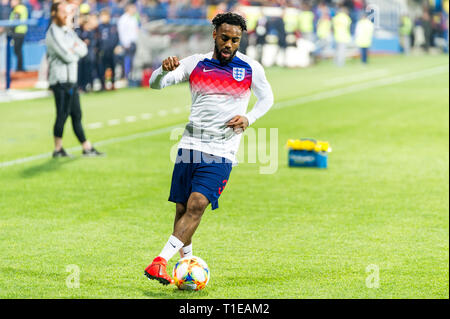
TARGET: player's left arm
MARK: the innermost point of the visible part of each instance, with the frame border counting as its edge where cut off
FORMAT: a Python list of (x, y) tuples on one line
[(263, 92)]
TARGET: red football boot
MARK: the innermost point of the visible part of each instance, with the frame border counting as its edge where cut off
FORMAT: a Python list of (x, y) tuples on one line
[(157, 270)]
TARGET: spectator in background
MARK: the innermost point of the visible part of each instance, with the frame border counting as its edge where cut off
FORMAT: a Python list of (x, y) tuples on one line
[(198, 10), (324, 33), (222, 7), (363, 37), (342, 35), (437, 30), (5, 9), (245, 41), (446, 8), (154, 10), (92, 5), (406, 28), (19, 13), (35, 4), (86, 65), (128, 29), (306, 22), (425, 22), (103, 4), (108, 40)]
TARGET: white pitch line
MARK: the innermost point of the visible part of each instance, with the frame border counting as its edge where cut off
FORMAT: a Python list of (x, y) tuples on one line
[(357, 77), (101, 143), (113, 122), (132, 137), (163, 113), (146, 116), (131, 119), (361, 87), (26, 159), (94, 126), (297, 101)]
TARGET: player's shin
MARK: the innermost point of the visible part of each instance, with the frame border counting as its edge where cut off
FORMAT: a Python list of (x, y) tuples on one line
[(186, 251), (170, 249)]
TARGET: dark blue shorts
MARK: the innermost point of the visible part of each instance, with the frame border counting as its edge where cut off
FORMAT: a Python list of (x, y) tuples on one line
[(196, 171)]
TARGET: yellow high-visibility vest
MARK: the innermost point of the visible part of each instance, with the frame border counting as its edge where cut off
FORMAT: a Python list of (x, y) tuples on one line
[(252, 21), (341, 25), (324, 28), (364, 33), (20, 12), (407, 26), (291, 21), (306, 21)]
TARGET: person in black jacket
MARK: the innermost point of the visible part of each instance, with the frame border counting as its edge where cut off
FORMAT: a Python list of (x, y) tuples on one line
[(86, 65), (108, 40)]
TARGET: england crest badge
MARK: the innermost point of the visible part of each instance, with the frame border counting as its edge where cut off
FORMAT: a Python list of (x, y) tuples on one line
[(239, 74)]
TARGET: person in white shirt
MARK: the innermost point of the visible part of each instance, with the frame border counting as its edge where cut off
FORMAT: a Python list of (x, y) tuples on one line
[(221, 83), (364, 36), (128, 29)]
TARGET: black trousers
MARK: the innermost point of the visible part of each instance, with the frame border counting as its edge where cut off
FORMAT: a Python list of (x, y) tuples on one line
[(67, 102), (18, 45), (106, 60), (85, 72)]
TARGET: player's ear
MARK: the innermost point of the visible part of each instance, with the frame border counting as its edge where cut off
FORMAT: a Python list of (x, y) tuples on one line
[(214, 34)]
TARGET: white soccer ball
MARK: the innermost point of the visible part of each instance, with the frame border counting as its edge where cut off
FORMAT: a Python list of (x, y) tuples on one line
[(191, 273)]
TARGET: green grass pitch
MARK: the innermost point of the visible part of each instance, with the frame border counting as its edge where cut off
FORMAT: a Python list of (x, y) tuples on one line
[(298, 233)]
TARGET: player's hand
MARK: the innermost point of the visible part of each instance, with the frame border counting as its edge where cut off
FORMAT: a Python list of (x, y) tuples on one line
[(170, 63), (238, 123)]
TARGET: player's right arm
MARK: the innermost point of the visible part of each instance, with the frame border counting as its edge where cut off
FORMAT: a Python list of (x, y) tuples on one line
[(172, 71)]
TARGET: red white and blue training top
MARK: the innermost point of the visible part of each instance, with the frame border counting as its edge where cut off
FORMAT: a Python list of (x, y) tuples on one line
[(219, 93)]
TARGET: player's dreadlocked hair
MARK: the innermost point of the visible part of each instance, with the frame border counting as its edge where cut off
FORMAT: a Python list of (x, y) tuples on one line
[(229, 18)]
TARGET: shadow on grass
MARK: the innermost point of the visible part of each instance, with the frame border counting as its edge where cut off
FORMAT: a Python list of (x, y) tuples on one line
[(51, 165), (172, 292)]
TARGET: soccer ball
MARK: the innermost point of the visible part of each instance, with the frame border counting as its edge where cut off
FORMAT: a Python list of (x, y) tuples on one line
[(191, 273)]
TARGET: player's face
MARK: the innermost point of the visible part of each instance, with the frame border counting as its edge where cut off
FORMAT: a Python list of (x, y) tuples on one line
[(227, 40)]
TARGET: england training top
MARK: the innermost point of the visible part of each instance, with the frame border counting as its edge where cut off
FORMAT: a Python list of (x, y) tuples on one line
[(219, 93)]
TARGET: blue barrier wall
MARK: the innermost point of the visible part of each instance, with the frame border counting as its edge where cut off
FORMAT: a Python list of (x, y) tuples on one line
[(386, 45), (33, 52)]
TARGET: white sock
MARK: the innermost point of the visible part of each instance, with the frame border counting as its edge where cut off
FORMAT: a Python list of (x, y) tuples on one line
[(170, 249), (187, 251)]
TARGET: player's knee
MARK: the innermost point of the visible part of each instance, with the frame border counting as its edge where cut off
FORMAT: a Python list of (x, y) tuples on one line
[(196, 208), (197, 205)]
